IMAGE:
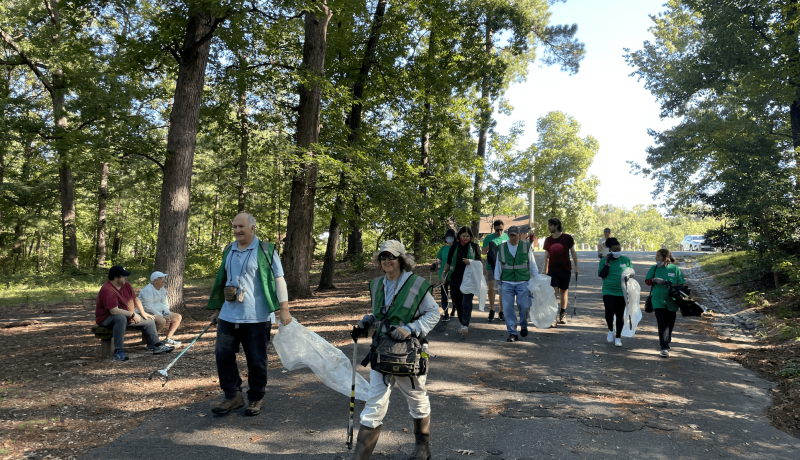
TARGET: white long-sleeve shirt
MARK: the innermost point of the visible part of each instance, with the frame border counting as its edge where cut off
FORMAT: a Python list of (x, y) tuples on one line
[(498, 269), (154, 301)]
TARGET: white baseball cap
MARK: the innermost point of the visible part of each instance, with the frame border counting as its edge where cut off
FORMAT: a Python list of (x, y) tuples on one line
[(157, 275), (394, 247)]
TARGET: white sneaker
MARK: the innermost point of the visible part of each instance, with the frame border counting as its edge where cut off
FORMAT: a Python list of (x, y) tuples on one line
[(665, 353), (172, 343), (617, 342), (610, 337), (464, 331)]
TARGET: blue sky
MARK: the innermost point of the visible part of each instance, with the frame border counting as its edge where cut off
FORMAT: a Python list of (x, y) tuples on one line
[(608, 103)]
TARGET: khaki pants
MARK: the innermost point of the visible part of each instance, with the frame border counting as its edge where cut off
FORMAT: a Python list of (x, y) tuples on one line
[(419, 406)]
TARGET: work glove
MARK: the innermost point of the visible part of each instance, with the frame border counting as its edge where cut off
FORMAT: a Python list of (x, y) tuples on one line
[(358, 332), (609, 257), (400, 333), (599, 256), (660, 281)]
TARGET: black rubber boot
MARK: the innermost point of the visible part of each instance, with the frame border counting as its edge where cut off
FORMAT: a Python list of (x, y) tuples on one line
[(365, 444), (422, 434)]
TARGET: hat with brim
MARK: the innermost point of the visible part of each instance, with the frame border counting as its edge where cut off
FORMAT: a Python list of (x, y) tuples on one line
[(157, 275), (393, 247), (117, 270), (513, 230)]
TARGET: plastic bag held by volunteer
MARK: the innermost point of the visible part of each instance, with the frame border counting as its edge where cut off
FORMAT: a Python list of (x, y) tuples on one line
[(299, 347), (544, 306), (475, 283), (633, 311)]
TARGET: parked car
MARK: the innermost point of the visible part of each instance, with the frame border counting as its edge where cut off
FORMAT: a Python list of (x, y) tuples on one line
[(696, 243)]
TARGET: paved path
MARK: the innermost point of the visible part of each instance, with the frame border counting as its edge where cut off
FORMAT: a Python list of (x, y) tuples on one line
[(562, 393)]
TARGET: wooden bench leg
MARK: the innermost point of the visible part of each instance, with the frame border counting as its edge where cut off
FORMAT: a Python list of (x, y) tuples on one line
[(106, 348)]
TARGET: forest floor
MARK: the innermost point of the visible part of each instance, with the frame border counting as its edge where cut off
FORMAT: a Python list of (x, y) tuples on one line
[(59, 399)]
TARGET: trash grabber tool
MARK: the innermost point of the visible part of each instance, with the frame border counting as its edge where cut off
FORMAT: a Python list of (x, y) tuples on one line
[(575, 297), (350, 424), (162, 373)]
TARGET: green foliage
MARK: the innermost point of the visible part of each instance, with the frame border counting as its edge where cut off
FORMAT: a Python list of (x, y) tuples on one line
[(792, 370)]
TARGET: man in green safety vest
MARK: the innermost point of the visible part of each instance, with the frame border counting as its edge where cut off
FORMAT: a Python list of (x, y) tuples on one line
[(247, 292), (515, 267), (406, 300)]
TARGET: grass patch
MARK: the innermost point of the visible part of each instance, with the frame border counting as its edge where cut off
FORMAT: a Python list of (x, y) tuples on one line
[(54, 288)]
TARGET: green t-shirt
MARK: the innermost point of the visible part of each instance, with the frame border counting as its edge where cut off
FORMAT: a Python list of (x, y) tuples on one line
[(612, 284), (442, 256), (659, 295), (498, 240)]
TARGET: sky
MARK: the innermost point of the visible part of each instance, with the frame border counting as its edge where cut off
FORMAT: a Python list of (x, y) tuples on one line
[(609, 104)]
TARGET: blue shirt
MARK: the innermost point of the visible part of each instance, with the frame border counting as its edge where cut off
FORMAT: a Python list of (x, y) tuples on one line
[(242, 270)]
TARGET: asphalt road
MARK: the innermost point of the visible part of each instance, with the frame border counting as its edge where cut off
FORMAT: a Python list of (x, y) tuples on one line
[(560, 393)]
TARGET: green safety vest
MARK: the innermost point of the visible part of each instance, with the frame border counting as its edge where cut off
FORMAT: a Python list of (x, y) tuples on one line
[(265, 276), (515, 268), (454, 259), (403, 307)]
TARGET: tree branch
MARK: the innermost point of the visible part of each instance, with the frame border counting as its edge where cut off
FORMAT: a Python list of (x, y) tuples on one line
[(33, 66), (52, 14), (208, 36), (144, 155)]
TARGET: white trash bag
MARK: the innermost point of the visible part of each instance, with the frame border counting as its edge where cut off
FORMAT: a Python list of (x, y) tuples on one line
[(299, 347), (544, 306), (474, 282), (633, 311)]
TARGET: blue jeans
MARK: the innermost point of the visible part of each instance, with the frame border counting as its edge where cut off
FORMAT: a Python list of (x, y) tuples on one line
[(120, 322), (253, 338), (523, 301)]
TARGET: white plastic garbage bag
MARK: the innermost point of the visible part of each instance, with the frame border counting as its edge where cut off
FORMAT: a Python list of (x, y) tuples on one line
[(544, 306), (633, 311), (474, 283), (299, 347)]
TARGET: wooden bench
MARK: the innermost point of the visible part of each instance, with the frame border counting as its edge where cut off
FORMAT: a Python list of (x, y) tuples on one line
[(106, 336)]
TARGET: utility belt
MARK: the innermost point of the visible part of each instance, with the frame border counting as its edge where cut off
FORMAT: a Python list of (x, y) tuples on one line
[(408, 358)]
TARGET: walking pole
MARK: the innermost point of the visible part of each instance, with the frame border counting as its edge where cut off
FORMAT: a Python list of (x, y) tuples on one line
[(352, 396), (575, 297), (162, 373)]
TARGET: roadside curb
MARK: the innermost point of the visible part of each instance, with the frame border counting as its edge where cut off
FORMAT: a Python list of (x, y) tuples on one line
[(728, 319)]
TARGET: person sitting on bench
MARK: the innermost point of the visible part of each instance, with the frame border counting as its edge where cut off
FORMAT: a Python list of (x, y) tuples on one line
[(116, 304), (154, 299)]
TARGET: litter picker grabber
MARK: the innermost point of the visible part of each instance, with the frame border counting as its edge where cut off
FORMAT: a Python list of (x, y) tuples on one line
[(575, 298), (162, 373), (350, 424)]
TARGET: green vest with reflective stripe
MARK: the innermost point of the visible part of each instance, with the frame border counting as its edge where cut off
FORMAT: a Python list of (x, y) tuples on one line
[(515, 268), (265, 276), (404, 305), (453, 260)]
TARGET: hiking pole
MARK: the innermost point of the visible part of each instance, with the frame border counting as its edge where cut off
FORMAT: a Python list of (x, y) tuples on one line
[(352, 396), (162, 373), (575, 297)]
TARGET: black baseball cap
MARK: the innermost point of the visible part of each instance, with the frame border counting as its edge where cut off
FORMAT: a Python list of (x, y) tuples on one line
[(117, 270)]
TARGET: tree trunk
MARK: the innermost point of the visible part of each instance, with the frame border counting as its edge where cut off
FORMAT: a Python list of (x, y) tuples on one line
[(116, 244), (483, 133), (355, 240), (334, 232), (5, 91), (244, 146), (177, 182), (299, 237), (69, 257), (102, 196), (424, 174), (354, 123)]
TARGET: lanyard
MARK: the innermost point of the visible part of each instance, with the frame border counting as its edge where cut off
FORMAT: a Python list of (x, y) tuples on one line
[(243, 269)]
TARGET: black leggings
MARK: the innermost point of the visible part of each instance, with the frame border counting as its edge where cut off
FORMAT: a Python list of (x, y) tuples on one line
[(463, 304), (666, 322), (615, 306), (443, 290)]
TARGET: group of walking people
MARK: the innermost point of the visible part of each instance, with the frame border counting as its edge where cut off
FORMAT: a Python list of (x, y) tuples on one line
[(250, 289), (509, 266)]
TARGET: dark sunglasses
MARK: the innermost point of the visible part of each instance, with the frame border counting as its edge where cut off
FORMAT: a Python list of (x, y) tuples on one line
[(498, 229), (389, 256)]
